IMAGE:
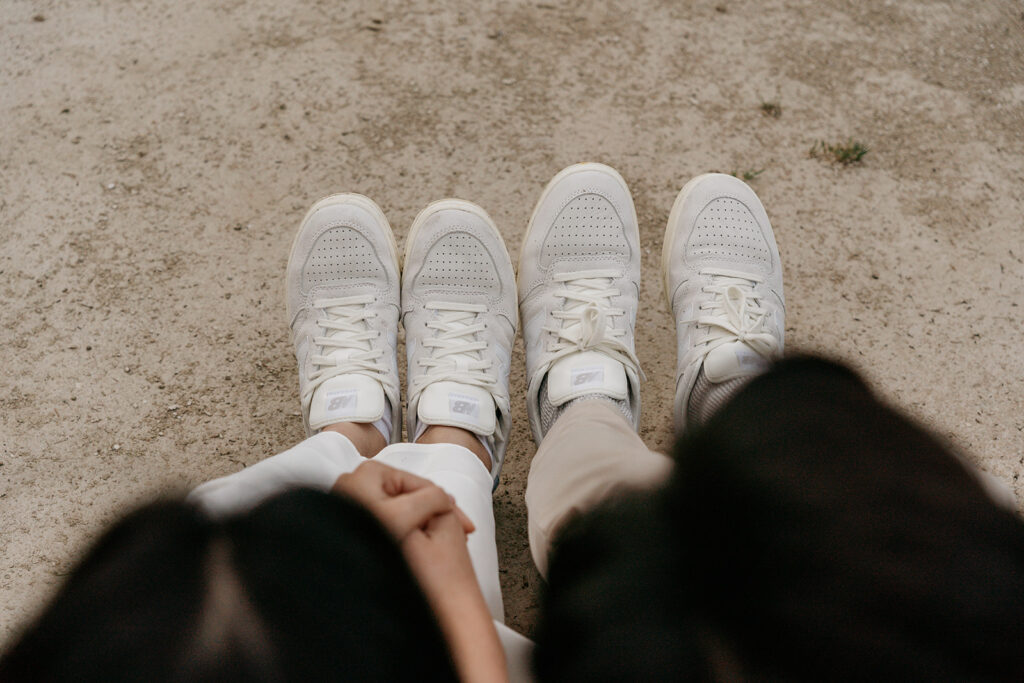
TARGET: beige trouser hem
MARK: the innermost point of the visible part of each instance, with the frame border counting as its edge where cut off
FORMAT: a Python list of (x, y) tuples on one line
[(590, 453)]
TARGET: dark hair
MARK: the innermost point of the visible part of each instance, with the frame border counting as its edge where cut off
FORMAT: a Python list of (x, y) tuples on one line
[(807, 533), (307, 586)]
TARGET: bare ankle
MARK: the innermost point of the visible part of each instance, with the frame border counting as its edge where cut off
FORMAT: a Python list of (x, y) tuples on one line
[(459, 437)]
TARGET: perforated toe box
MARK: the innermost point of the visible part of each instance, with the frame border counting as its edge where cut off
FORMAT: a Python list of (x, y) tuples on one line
[(727, 232), (342, 256), (459, 261), (588, 228)]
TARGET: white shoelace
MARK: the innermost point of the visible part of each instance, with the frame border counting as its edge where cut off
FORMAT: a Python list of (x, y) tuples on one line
[(346, 347), (456, 351), (735, 313), (586, 323)]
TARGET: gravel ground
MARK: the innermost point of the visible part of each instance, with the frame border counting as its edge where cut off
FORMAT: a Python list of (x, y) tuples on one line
[(156, 158)]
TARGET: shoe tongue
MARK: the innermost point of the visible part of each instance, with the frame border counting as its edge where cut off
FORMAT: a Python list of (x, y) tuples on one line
[(586, 373), (454, 404), (732, 360), (347, 398)]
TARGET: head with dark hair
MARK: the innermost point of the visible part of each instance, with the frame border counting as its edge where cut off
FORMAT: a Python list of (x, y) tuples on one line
[(307, 586), (808, 533)]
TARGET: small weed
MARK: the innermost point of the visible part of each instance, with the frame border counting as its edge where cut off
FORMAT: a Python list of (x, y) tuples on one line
[(846, 153), (772, 109), (747, 175)]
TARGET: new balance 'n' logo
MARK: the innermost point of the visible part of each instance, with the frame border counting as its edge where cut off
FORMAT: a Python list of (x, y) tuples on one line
[(463, 407), (749, 360), (343, 402), (586, 377), (340, 402), (466, 406)]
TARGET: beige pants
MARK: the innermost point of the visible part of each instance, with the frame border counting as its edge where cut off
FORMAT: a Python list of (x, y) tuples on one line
[(590, 453)]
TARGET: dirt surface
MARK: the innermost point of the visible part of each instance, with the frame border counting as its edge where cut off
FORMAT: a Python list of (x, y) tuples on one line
[(156, 158)]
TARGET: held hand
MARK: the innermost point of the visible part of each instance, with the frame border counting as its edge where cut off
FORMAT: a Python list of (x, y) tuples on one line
[(402, 502), (439, 558), (431, 531)]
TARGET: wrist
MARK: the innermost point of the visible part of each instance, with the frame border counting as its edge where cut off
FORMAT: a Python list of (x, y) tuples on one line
[(469, 629), (457, 608)]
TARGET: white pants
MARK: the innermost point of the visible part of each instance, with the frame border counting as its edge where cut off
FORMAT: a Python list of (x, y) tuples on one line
[(317, 463), (589, 454)]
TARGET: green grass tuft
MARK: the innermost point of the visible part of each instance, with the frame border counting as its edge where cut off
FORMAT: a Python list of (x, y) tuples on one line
[(846, 153), (747, 175), (772, 109)]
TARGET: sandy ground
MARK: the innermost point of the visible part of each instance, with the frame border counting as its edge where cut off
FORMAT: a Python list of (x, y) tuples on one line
[(156, 158)]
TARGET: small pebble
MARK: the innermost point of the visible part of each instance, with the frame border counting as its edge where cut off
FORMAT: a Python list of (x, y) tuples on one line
[(117, 446), (174, 407), (111, 186)]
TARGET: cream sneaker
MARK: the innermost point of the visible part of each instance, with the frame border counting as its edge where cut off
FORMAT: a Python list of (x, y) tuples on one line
[(579, 279), (723, 282), (460, 318), (343, 304)]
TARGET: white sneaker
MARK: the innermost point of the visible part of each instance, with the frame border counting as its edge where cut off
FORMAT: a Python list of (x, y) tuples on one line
[(723, 282), (579, 279), (343, 294), (460, 318)]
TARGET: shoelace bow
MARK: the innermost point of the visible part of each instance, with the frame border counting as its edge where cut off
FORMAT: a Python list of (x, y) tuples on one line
[(345, 347), (586, 323), (455, 349), (735, 314)]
